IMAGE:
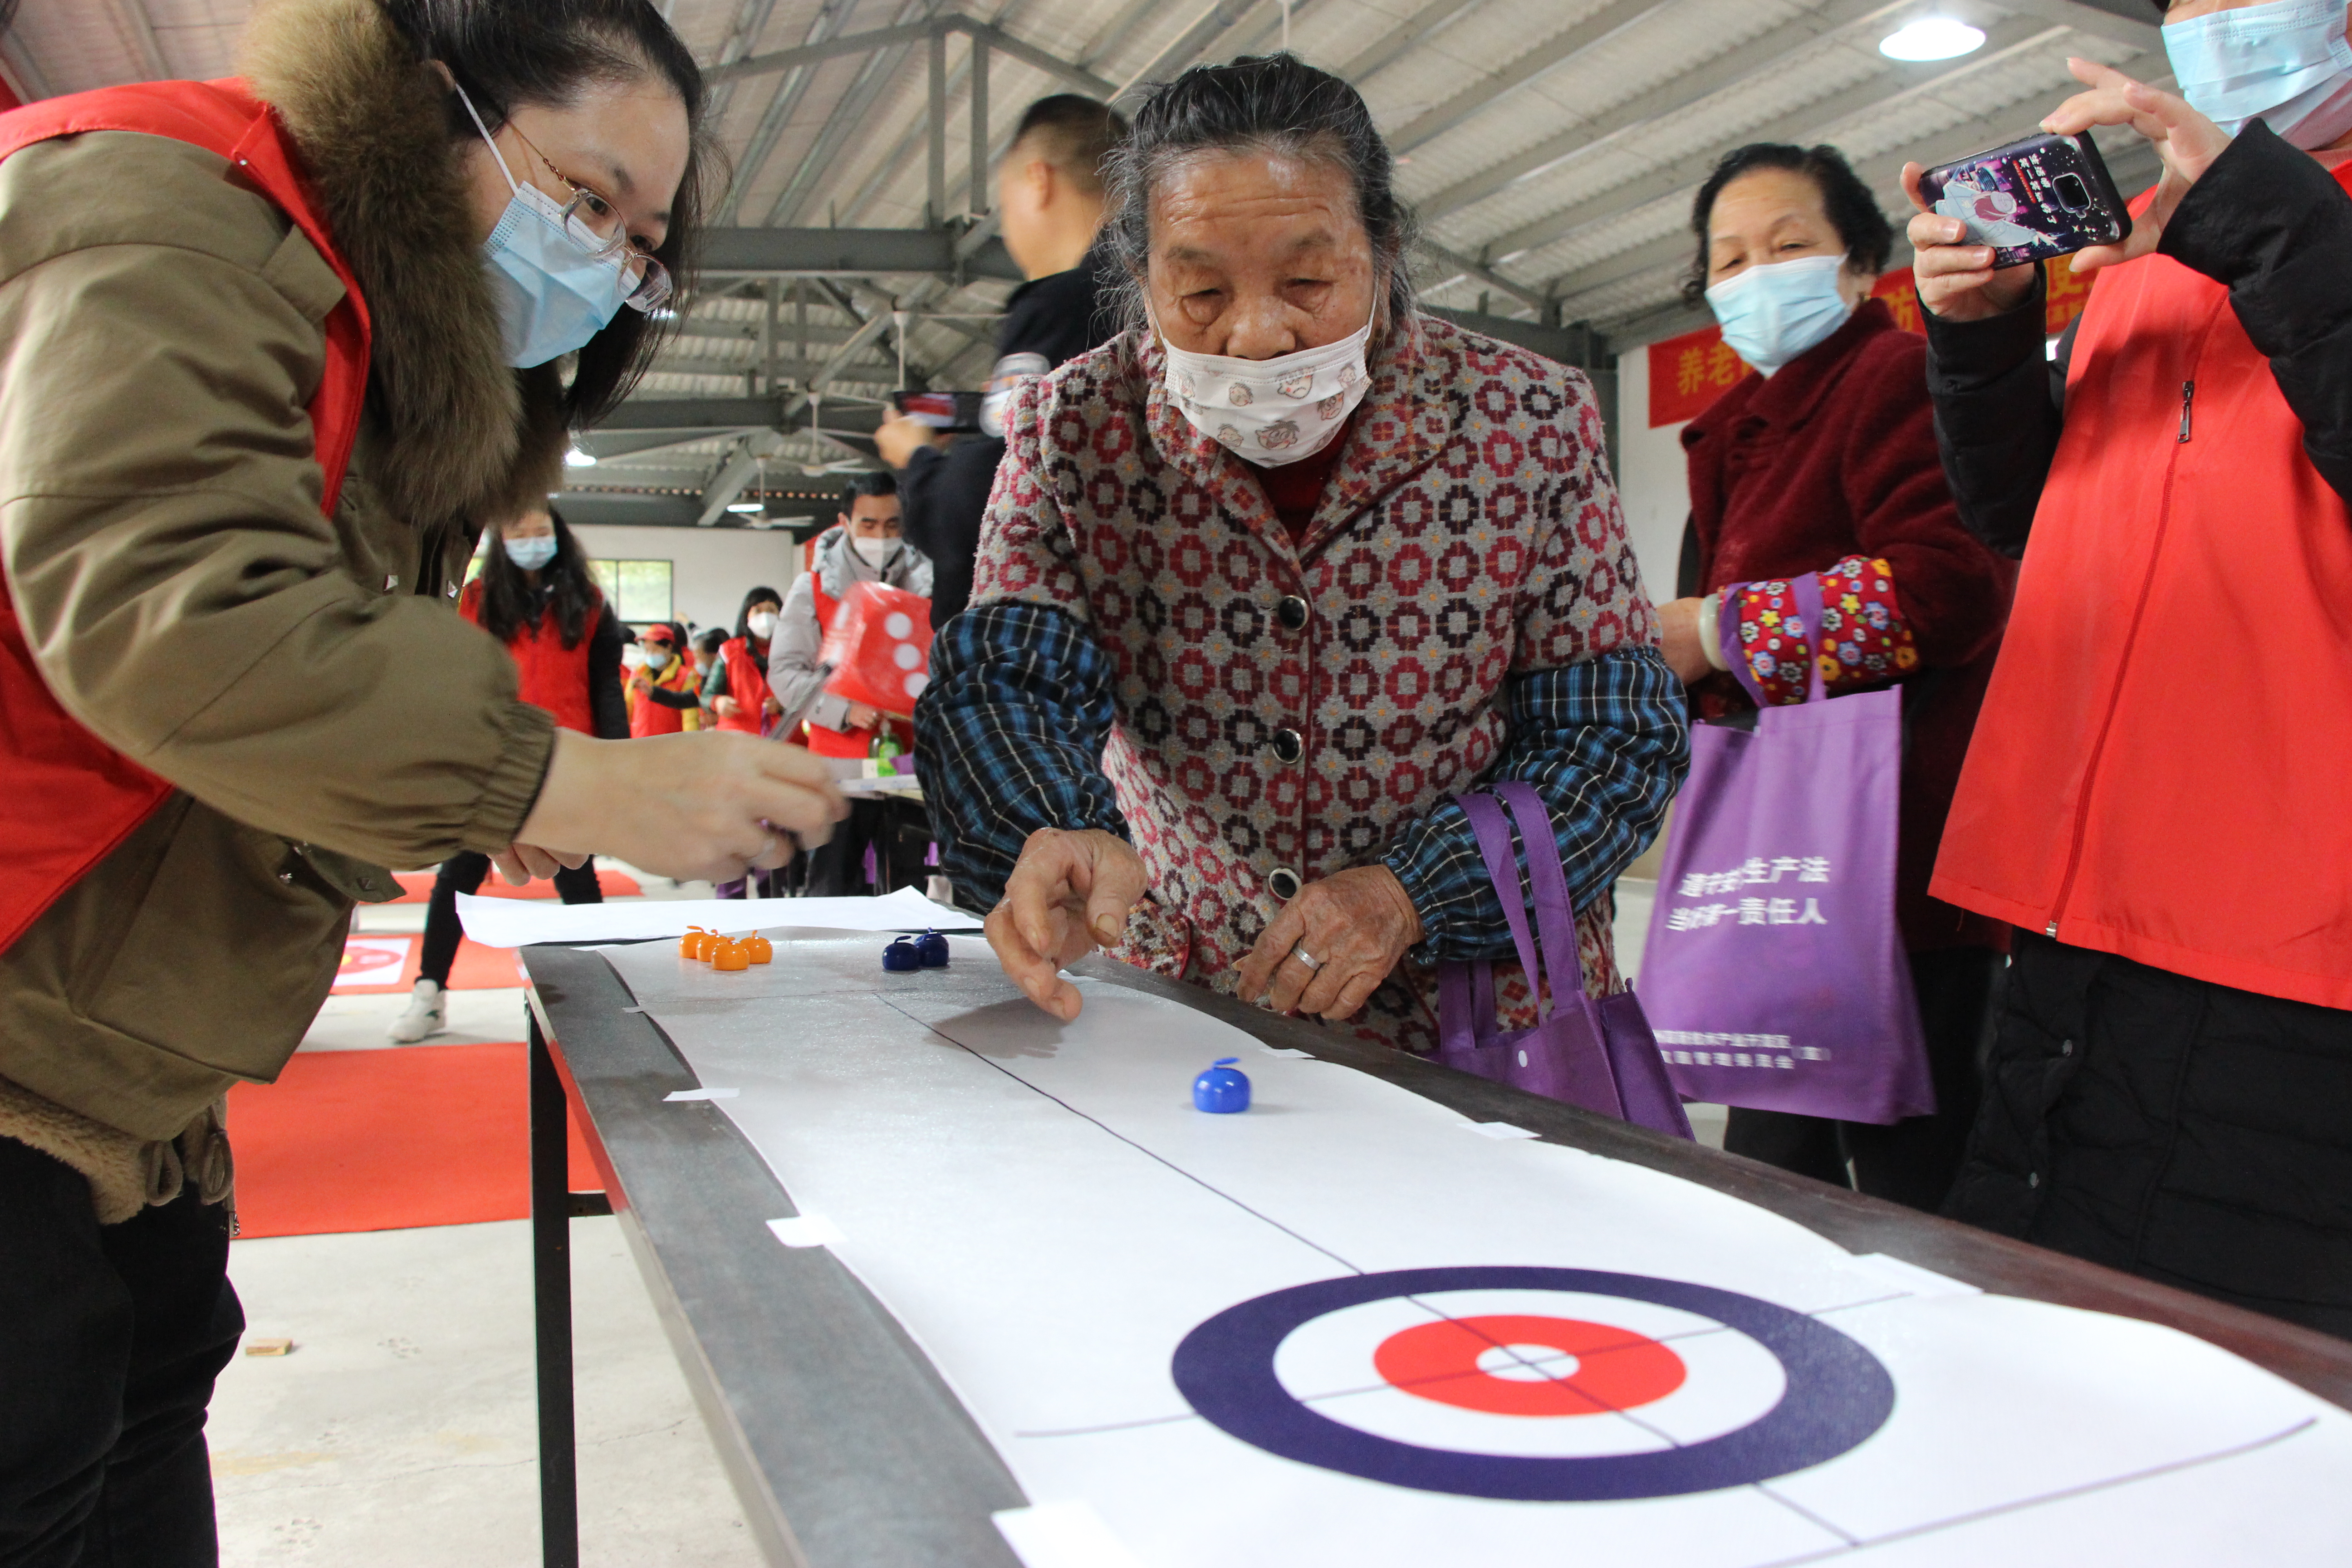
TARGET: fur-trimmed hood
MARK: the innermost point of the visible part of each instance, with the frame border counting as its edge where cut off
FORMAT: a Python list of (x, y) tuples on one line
[(466, 438)]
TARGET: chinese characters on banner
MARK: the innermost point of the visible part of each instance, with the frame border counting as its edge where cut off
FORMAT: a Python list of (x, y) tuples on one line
[(1688, 373)]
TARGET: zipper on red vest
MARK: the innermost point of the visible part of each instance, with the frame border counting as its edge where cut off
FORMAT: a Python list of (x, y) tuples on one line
[(2131, 640)]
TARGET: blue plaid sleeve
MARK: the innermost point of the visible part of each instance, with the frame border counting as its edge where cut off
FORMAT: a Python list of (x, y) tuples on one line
[(1010, 734), (1605, 743)]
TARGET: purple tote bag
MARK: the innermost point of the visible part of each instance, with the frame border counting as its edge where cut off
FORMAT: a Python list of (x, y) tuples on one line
[(1774, 972), (1595, 1054)]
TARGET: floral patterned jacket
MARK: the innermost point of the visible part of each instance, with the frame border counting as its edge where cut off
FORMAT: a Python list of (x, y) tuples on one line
[(1150, 651)]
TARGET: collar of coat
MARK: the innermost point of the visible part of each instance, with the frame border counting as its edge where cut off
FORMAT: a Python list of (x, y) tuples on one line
[(464, 437), (1417, 400), (1787, 397)]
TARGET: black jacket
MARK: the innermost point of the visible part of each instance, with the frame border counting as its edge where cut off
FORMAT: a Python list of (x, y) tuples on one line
[(2267, 221), (942, 496)]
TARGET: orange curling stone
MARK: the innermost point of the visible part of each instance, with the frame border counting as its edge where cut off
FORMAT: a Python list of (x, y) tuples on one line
[(727, 954), (758, 948), (690, 945)]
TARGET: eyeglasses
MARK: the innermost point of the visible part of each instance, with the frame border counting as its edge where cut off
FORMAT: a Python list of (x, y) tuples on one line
[(591, 218)]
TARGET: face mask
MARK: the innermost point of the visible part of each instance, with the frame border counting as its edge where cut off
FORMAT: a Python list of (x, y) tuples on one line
[(554, 293), (532, 554), (657, 659), (1271, 411), (1770, 314), (2286, 61), (762, 624), (874, 551)]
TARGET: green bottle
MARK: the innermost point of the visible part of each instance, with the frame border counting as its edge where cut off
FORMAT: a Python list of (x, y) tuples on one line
[(883, 750)]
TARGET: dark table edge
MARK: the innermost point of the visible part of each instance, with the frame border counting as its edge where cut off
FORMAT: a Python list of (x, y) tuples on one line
[(565, 997)]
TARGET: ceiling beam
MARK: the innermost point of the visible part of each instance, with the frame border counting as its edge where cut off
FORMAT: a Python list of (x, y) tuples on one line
[(2124, 23), (1189, 45), (741, 466), (1766, 57), (1816, 121), (790, 90), (847, 252), (138, 31), (697, 417), (1548, 56), (1460, 266), (902, 35), (1405, 36)]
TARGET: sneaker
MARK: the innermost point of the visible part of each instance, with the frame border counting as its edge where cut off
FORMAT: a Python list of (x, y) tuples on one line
[(428, 1013)]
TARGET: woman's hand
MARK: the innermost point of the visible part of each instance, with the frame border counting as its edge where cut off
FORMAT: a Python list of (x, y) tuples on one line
[(1685, 650), (1957, 280), (861, 717), (521, 864), (2184, 138), (700, 806), (726, 706), (1069, 894), (641, 682), (1355, 924), (770, 707)]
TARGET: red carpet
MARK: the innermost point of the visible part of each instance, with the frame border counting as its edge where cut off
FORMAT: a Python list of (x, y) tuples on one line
[(416, 887), (388, 1140), (382, 963)]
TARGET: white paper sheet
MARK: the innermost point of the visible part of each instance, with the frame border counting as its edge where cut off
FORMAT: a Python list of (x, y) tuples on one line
[(1040, 1207), (519, 922)]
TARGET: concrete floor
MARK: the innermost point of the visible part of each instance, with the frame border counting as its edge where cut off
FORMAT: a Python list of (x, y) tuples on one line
[(401, 1433)]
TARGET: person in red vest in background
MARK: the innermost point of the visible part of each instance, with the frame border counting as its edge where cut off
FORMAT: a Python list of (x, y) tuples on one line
[(662, 696), (864, 546), (735, 693), (535, 596)]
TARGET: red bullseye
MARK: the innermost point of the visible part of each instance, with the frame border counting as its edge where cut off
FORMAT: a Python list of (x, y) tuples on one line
[(1514, 1365), (356, 958)]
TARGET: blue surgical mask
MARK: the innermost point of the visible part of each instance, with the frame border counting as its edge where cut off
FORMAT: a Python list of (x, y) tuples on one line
[(2287, 62), (1772, 313), (531, 553), (554, 293)]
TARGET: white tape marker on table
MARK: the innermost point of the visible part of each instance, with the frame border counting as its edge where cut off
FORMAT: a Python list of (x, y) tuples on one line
[(806, 1230), (673, 1098), (1285, 1051), (1499, 1130), (1062, 1535)]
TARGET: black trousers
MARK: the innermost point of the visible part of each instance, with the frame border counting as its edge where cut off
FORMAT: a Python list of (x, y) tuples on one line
[(465, 872), (899, 833), (2183, 1131), (1914, 1161), (110, 1340)]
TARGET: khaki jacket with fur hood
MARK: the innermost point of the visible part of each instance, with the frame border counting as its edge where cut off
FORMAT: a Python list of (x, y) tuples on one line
[(304, 682)]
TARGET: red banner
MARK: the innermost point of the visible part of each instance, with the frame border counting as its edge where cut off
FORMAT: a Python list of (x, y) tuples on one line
[(1689, 372)]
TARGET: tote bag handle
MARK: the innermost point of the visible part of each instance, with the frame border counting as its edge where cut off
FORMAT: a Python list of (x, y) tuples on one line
[(1805, 587)]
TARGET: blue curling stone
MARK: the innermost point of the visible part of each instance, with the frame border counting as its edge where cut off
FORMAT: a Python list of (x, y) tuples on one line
[(933, 949), (901, 955), (1222, 1090)]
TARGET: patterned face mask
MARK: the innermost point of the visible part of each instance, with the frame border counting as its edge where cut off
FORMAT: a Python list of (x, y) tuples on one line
[(1273, 411)]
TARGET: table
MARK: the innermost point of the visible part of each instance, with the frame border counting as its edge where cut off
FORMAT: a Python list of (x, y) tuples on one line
[(843, 1443)]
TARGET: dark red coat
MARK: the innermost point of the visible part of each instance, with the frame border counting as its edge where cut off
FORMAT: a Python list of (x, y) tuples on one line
[(1835, 455)]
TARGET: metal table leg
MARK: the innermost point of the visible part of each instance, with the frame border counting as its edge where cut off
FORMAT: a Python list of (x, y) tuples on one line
[(550, 1268)]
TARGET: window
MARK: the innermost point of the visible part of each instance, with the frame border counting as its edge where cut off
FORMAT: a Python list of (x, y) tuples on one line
[(638, 591)]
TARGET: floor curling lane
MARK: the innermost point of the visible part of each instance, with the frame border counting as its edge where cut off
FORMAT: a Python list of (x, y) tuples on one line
[(1371, 1339)]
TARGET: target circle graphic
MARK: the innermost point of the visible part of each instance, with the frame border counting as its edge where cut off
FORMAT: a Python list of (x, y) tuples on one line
[(1529, 1365)]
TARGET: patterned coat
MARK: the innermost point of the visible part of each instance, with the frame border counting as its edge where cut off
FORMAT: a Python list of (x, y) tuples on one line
[(1463, 603)]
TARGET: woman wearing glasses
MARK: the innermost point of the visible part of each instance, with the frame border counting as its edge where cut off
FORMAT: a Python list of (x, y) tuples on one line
[(271, 352)]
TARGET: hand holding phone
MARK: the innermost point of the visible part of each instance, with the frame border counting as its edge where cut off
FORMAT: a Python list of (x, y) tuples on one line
[(2043, 196)]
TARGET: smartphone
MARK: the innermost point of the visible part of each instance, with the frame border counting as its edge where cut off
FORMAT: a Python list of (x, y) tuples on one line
[(2044, 196), (957, 413)]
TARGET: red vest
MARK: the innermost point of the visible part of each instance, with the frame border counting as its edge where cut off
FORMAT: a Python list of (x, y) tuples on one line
[(647, 717), (552, 677), (71, 797), (2160, 769), (826, 742), (747, 682)]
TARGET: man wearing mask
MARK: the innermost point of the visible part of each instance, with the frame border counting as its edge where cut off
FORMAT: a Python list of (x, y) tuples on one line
[(2171, 1092), (1049, 199), (864, 546)]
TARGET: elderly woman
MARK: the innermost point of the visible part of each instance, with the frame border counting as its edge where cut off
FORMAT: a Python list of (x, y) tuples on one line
[(1267, 578)]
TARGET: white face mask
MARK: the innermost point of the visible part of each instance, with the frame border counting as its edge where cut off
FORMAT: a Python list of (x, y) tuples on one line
[(1273, 411), (872, 552), (2287, 61), (1772, 313), (657, 659), (762, 624)]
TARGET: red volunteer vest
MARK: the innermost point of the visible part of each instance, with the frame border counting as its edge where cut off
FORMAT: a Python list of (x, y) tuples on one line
[(830, 742), (747, 682), (2171, 715), (552, 676), (647, 717), (71, 798)]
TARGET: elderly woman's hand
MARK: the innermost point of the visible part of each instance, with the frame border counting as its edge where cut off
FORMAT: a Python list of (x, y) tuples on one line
[(1069, 894), (1679, 641), (1352, 926)]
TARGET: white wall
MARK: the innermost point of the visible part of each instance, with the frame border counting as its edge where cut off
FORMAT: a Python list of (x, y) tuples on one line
[(1650, 478), (711, 568)]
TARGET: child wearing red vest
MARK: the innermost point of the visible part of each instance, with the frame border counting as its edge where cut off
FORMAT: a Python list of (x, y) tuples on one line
[(535, 596), (662, 696)]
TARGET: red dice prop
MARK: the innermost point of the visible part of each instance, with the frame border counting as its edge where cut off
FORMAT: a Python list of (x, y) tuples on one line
[(879, 647)]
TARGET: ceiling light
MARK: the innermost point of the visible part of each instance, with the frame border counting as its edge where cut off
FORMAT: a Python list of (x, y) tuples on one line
[(1931, 38), (579, 458), (747, 505)]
